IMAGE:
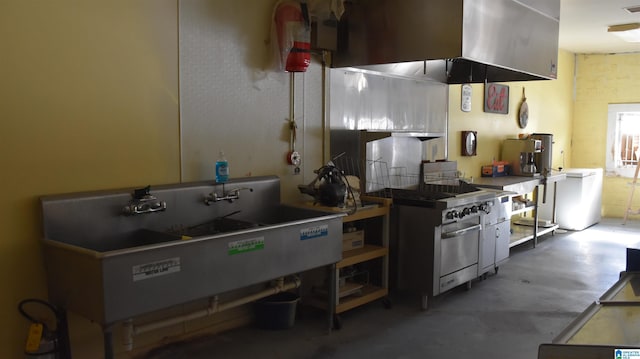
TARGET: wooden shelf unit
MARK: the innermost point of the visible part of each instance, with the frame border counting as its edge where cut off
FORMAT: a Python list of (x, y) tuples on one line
[(370, 251), (355, 256)]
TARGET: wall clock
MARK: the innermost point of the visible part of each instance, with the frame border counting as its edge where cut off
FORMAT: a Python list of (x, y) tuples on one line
[(469, 143)]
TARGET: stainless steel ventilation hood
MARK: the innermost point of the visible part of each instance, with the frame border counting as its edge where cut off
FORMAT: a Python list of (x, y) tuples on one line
[(451, 41)]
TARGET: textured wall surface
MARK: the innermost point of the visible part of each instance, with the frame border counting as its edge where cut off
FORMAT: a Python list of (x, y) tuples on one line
[(233, 100), (90, 99), (550, 111), (602, 80)]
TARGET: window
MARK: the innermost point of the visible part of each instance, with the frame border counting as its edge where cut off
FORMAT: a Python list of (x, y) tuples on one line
[(623, 139)]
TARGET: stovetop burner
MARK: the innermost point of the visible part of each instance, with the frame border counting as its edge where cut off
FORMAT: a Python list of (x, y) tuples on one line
[(439, 196), (450, 186), (417, 198)]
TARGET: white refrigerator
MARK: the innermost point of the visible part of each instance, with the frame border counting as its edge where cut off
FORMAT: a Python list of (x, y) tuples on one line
[(578, 199)]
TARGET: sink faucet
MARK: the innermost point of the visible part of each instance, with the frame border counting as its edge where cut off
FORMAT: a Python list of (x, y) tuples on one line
[(143, 202), (229, 196)]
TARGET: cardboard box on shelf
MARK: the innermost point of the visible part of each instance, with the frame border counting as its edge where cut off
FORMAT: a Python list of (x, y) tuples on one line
[(352, 240), (497, 169)]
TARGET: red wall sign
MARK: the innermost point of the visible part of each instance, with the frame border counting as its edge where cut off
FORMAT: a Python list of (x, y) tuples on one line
[(496, 98)]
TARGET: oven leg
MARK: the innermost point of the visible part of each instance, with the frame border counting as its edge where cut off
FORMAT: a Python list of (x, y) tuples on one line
[(424, 305), (107, 335)]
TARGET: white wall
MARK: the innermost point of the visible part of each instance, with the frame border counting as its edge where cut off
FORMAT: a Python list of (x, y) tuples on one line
[(230, 99)]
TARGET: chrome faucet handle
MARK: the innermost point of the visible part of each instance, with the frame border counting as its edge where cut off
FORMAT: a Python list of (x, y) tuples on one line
[(211, 198), (229, 196), (145, 206), (238, 189), (144, 202)]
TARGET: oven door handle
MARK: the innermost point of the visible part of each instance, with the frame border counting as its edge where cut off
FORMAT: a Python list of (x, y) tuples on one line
[(462, 231)]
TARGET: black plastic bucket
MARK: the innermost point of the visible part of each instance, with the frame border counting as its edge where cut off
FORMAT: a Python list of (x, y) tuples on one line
[(276, 312)]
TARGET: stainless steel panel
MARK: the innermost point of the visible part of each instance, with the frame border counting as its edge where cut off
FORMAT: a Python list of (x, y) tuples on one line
[(487, 256), (424, 258), (111, 285), (516, 184), (461, 232), (93, 217), (508, 35), (494, 246), (610, 321), (455, 279), (367, 101), (382, 159), (549, 8), (503, 236), (459, 250), (496, 233), (467, 40), (208, 268), (502, 209)]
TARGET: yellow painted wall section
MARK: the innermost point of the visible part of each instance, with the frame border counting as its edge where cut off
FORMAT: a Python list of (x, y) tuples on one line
[(603, 79), (550, 111), (88, 100)]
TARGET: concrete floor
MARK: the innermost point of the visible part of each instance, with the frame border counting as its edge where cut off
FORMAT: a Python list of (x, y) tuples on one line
[(535, 295)]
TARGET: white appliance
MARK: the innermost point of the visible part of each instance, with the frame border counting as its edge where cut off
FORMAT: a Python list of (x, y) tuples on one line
[(578, 199)]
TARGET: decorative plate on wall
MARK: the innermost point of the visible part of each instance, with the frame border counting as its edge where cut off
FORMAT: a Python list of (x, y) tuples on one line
[(523, 114)]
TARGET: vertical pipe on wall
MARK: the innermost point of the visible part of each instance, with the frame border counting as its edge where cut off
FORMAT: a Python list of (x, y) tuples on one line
[(292, 86), (325, 123), (180, 149), (304, 117)]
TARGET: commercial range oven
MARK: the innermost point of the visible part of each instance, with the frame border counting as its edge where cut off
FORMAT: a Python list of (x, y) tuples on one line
[(439, 231)]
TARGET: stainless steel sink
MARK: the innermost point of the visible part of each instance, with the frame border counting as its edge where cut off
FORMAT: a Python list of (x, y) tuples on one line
[(213, 227), (136, 238), (146, 237), (109, 267)]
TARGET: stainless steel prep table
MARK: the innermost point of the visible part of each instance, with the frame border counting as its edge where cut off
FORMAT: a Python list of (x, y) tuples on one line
[(519, 185), (605, 329)]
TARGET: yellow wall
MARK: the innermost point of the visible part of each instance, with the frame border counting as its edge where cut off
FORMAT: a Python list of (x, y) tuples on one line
[(88, 100), (602, 80), (550, 111)]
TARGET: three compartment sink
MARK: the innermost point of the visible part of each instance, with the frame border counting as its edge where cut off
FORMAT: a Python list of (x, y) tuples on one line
[(146, 237), (108, 267)]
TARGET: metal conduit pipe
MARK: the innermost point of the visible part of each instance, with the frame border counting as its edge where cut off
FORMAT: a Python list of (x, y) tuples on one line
[(130, 330)]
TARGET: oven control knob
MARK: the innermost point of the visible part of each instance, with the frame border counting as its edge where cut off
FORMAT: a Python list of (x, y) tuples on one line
[(466, 211), (474, 209), (450, 215), (485, 207)]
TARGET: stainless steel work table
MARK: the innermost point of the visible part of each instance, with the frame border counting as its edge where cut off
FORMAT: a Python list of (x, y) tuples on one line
[(606, 326), (520, 185)]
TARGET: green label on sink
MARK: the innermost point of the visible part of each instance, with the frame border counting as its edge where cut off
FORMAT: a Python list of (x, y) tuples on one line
[(246, 245)]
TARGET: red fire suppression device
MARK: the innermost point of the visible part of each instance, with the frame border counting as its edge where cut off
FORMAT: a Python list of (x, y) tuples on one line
[(294, 35)]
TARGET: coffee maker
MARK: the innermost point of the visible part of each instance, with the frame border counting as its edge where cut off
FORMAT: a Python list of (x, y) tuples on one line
[(543, 158), (521, 155)]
